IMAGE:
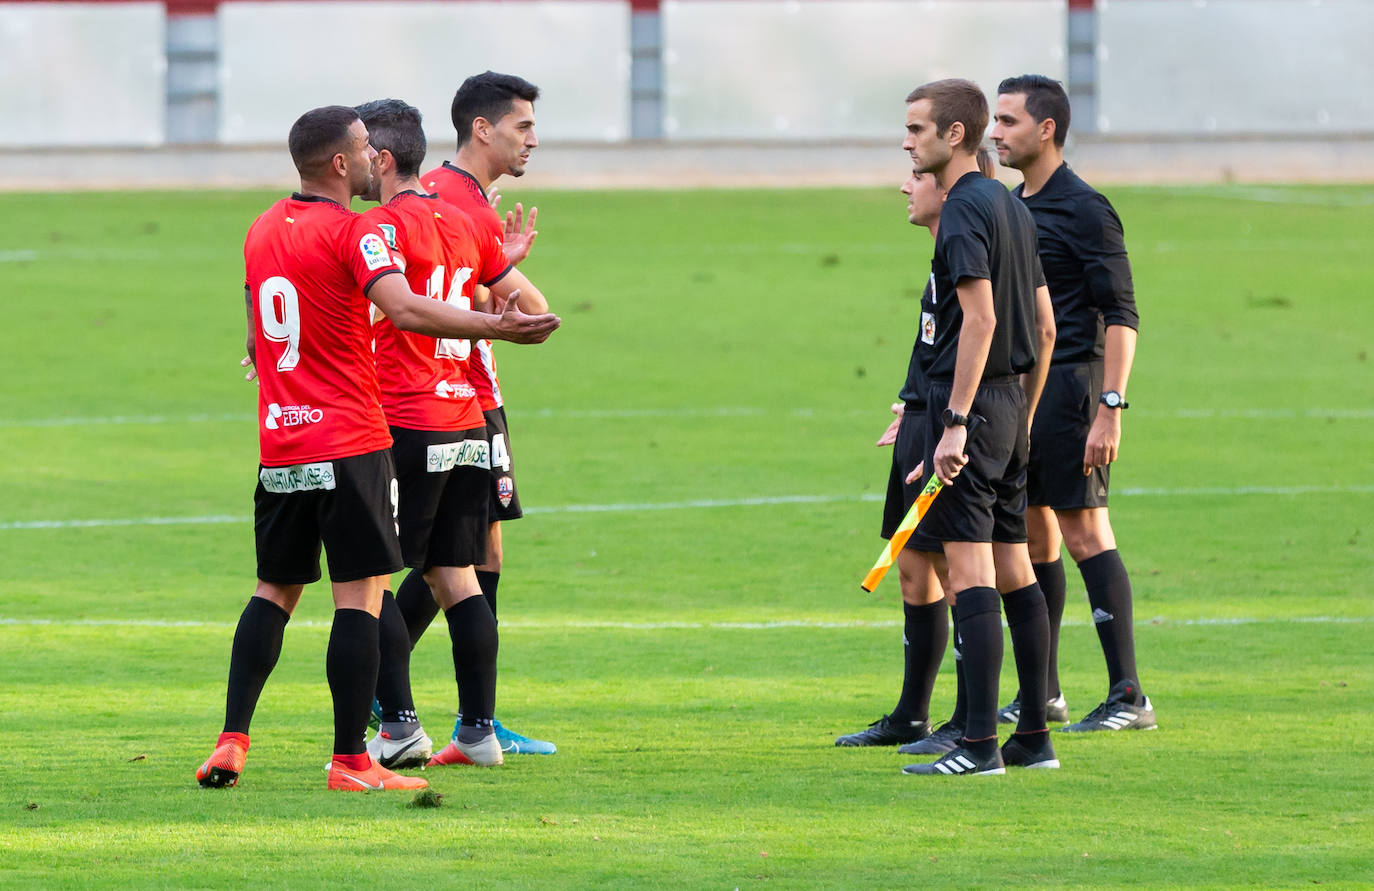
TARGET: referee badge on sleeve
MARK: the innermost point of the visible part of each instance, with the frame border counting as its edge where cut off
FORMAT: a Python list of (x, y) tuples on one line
[(927, 328)]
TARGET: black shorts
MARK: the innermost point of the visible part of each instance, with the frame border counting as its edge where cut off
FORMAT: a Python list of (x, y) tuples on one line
[(907, 452), (987, 501), (1059, 436), (443, 477), (348, 504), (505, 500)]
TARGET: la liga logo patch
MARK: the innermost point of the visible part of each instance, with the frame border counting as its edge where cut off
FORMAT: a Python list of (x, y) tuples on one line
[(374, 251)]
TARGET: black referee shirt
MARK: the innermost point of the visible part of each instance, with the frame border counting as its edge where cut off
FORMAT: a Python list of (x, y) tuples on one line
[(1083, 253), (985, 233), (915, 389)]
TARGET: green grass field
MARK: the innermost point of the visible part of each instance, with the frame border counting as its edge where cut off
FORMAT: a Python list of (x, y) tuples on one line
[(681, 610)]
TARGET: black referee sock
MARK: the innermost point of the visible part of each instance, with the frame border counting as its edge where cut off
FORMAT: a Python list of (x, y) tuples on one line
[(980, 629), (1030, 647), (1052, 584), (351, 666), (488, 581), (416, 603), (960, 716), (925, 633), (1109, 594), (393, 672), (472, 628), (257, 644)]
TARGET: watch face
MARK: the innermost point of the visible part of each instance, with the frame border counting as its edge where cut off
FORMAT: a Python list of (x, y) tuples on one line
[(1111, 398)]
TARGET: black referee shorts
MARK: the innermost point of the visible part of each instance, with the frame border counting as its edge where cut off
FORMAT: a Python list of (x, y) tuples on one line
[(987, 501), (1059, 436), (443, 481), (348, 504), (907, 452)]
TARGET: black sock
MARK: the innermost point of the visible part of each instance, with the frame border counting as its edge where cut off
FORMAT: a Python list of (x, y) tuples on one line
[(257, 644), (1054, 587), (925, 633), (488, 581), (351, 666), (1109, 594), (472, 628), (960, 716), (416, 603), (980, 629), (1030, 646), (393, 671)]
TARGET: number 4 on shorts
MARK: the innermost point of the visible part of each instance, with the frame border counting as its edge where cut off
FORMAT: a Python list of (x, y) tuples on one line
[(500, 457)]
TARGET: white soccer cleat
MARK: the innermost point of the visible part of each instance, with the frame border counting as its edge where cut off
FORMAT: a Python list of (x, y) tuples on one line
[(414, 750)]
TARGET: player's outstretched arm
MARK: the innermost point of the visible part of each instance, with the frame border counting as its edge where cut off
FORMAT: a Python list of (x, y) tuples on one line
[(1104, 437), (514, 282), (411, 312), (1033, 381)]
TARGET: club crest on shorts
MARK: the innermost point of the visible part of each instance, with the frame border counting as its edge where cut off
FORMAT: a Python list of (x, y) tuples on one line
[(505, 490)]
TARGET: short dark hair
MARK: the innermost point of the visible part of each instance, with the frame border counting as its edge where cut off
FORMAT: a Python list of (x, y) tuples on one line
[(319, 135), (487, 95), (1045, 99), (955, 99), (396, 127)]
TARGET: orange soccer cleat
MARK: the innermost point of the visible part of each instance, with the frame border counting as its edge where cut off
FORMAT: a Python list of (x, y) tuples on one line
[(225, 763), (374, 779)]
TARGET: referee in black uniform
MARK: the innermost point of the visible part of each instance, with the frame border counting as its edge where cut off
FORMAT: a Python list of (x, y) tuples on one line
[(1078, 426), (989, 353)]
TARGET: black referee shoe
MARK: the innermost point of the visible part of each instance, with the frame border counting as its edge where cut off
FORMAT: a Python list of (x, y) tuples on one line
[(1119, 712), (1020, 751), (946, 738), (1056, 711), (962, 761), (886, 732)]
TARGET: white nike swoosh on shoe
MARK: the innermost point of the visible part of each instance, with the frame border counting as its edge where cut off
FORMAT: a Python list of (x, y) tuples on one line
[(366, 785)]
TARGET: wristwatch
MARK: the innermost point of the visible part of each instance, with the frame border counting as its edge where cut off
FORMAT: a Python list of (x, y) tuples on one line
[(1112, 399), (951, 418)]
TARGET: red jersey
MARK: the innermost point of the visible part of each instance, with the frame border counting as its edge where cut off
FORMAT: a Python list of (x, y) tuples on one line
[(424, 379), (307, 262), (461, 189)]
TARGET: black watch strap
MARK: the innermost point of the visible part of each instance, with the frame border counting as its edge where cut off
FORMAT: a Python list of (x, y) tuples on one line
[(951, 418)]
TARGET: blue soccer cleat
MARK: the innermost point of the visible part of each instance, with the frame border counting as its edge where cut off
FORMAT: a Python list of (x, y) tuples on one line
[(513, 743)]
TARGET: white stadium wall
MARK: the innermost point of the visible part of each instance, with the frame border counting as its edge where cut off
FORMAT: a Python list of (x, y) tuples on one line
[(764, 69), (226, 74), (82, 74), (1235, 66), (577, 52)]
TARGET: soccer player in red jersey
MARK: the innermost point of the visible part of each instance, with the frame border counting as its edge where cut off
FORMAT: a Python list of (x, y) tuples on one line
[(441, 449), (493, 115), (326, 473)]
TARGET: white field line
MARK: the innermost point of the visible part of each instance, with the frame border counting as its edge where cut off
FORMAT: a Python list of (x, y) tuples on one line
[(706, 503), (689, 626), (877, 412)]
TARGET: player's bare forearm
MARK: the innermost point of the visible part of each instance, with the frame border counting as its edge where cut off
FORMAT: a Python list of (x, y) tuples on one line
[(531, 299), (411, 312), (250, 347), (975, 339), (1033, 382), (1104, 437), (1119, 356)]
